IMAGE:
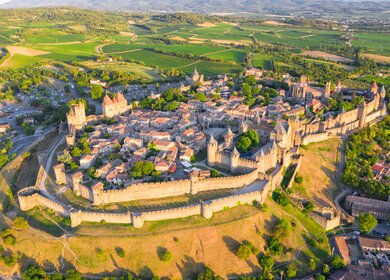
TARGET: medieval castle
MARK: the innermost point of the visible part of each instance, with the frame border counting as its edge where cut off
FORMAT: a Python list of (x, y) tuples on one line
[(255, 174)]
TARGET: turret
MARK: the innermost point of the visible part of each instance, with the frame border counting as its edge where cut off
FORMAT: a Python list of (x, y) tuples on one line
[(374, 88), (382, 93), (212, 149), (327, 89)]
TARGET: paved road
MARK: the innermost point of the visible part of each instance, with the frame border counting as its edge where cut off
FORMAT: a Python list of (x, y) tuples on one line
[(21, 142), (47, 161)]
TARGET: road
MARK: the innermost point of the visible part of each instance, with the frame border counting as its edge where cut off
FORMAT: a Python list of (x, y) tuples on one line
[(47, 162), (22, 141)]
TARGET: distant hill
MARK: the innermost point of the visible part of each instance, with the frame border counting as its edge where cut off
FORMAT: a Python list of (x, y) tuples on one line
[(283, 7)]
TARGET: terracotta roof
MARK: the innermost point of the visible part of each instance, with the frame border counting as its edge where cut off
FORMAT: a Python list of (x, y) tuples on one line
[(107, 100), (343, 248)]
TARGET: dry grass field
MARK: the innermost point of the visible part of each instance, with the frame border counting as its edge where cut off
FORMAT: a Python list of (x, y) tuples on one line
[(317, 169), (192, 248)]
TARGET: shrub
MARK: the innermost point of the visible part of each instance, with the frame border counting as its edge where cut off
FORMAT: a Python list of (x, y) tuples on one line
[(243, 252), (164, 255), (33, 273), (9, 261), (308, 207), (291, 271), (10, 240), (120, 252), (5, 232), (20, 223), (279, 198), (275, 246), (313, 242), (298, 179), (312, 264), (338, 262)]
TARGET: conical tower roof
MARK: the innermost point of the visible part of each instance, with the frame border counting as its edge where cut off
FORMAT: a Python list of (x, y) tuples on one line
[(229, 132), (374, 86), (212, 139), (107, 100), (235, 152)]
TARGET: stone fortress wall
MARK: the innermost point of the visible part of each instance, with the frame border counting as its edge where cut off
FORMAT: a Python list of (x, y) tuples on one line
[(273, 156)]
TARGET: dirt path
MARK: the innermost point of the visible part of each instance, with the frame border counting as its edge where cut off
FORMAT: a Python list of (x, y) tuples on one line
[(193, 63), (220, 51), (129, 51)]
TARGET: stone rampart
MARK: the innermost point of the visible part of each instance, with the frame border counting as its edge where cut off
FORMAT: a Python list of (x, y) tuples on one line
[(31, 197), (170, 188)]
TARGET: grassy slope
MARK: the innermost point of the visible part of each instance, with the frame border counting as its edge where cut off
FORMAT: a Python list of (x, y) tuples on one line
[(317, 169), (193, 242)]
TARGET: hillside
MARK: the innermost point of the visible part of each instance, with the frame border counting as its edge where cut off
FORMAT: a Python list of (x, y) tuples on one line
[(284, 7)]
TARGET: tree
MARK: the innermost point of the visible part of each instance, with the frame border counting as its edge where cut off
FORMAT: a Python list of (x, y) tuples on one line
[(164, 255), (279, 198), (20, 223), (243, 252), (298, 179), (76, 152), (214, 173), (27, 129), (320, 277), (275, 246), (244, 143), (96, 92), (366, 222), (312, 264), (34, 273), (72, 274), (267, 263), (308, 207), (326, 269), (291, 271), (337, 262), (200, 96), (208, 274)]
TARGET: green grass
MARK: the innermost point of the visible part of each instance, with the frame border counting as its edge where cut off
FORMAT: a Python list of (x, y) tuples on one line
[(229, 55), (19, 60), (70, 52), (377, 43), (263, 61)]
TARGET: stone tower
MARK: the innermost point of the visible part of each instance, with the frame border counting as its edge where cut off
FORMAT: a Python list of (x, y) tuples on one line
[(382, 93), (374, 88), (234, 159), (362, 114), (76, 116), (59, 172), (338, 87), (212, 149), (327, 89)]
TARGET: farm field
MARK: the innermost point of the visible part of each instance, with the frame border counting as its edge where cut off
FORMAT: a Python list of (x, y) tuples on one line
[(262, 61), (140, 72)]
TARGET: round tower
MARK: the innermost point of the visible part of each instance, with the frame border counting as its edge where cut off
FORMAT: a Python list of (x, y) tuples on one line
[(206, 210), (137, 220)]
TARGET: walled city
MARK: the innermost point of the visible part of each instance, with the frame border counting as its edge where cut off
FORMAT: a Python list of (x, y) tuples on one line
[(107, 156)]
